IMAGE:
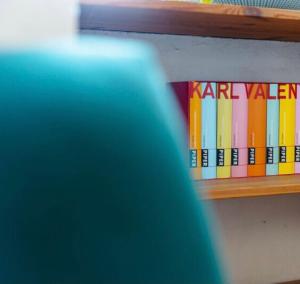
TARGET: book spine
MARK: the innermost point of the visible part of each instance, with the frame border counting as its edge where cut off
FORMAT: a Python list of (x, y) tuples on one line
[(297, 136), (287, 124), (195, 128), (181, 90), (224, 118), (272, 155), (208, 131), (257, 124), (239, 153)]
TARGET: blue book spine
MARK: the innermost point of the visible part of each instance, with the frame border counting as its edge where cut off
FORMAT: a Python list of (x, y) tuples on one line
[(272, 132), (209, 129)]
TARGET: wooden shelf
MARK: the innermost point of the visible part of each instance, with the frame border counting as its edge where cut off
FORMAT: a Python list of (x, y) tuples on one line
[(182, 18), (248, 187)]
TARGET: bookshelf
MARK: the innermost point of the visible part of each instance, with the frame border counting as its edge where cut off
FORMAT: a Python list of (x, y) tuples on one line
[(227, 21), (248, 187), (183, 18)]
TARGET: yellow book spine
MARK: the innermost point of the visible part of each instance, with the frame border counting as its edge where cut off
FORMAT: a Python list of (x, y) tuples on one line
[(287, 125), (195, 128), (224, 119)]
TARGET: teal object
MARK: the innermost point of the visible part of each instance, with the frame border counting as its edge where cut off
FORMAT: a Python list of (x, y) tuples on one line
[(94, 185)]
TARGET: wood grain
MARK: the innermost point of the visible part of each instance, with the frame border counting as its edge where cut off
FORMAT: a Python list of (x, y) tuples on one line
[(182, 18), (248, 187)]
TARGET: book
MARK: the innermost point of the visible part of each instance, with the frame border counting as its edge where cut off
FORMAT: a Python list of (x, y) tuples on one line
[(224, 118), (195, 128), (257, 124), (272, 155), (181, 90), (297, 134), (239, 153), (287, 124), (209, 129)]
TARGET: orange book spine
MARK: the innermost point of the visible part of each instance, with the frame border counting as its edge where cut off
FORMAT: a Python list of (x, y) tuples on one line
[(257, 125)]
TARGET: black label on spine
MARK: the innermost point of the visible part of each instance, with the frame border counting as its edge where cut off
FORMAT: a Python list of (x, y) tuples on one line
[(193, 158), (282, 154), (204, 162), (234, 156), (220, 157), (251, 156), (297, 154), (270, 155)]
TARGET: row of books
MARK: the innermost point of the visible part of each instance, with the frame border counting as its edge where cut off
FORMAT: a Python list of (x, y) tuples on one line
[(241, 129), (283, 4)]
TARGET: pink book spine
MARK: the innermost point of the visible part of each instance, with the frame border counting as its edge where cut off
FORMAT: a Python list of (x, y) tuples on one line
[(297, 140), (239, 130)]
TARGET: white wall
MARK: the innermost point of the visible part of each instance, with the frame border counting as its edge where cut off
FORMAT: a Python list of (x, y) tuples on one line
[(261, 236), (27, 22), (194, 58)]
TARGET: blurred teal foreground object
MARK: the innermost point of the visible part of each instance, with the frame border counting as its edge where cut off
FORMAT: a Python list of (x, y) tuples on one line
[(93, 183)]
